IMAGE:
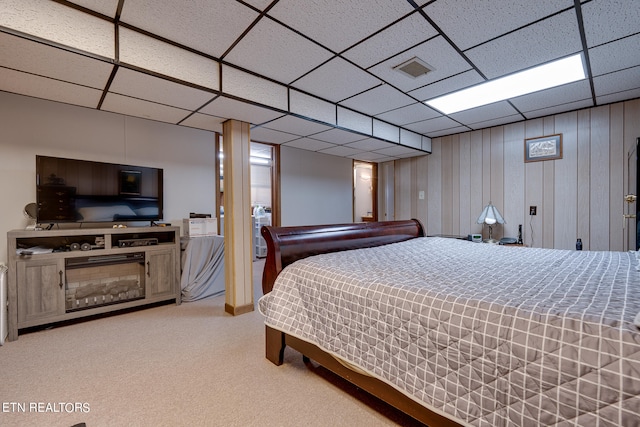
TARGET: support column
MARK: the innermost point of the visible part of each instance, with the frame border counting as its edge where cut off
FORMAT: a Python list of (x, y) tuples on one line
[(238, 259)]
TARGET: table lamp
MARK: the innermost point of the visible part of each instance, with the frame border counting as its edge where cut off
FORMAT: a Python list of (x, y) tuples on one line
[(490, 215)]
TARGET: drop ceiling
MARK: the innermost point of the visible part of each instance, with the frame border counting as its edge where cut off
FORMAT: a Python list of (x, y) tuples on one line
[(318, 75)]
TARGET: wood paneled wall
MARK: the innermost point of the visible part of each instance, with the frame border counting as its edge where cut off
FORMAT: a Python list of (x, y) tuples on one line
[(578, 196)]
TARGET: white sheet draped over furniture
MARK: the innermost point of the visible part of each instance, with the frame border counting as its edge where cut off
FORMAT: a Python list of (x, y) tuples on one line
[(202, 267)]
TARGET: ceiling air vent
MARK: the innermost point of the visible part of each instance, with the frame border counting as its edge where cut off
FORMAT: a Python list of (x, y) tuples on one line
[(415, 67)]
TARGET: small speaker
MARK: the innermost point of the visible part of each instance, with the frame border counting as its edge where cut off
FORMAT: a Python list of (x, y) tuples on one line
[(85, 247), (74, 246)]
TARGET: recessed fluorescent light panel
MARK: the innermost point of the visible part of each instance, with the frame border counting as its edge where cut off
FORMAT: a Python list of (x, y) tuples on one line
[(545, 76)]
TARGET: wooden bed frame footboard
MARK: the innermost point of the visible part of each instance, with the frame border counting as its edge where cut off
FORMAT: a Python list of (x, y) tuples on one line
[(286, 245)]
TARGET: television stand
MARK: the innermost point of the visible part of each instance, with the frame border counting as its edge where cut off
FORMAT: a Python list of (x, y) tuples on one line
[(60, 275)]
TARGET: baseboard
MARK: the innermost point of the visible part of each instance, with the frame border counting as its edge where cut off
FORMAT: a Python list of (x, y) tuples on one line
[(236, 311)]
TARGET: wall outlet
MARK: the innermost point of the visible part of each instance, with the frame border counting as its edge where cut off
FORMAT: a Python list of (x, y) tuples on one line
[(533, 210), (421, 195)]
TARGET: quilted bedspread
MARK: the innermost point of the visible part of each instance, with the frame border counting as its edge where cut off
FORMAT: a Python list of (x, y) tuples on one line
[(488, 335)]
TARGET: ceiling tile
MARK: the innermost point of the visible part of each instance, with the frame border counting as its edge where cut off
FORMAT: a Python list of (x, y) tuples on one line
[(203, 25), (309, 144), (427, 127), (253, 88), (386, 131), (44, 60), (617, 82), (618, 96), (410, 139), (436, 52), (495, 122), (615, 56), (277, 52), (555, 37), (260, 4), (605, 21), (296, 125), (64, 25), (204, 121), (105, 7), (338, 136), (555, 96), (271, 136), (409, 114), (139, 85), (398, 151), (484, 113), (577, 105), (355, 121), (378, 100), (448, 131), (43, 87), (312, 107), (353, 20), (370, 144), (340, 150), (143, 109), (426, 144), (237, 110), (163, 58), (336, 80), (405, 34), (469, 23)]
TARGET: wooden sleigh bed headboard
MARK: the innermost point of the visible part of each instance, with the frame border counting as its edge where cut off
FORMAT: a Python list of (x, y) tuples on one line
[(286, 245)]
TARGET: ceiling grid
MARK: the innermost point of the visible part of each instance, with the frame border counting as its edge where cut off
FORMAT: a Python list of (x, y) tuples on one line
[(311, 74)]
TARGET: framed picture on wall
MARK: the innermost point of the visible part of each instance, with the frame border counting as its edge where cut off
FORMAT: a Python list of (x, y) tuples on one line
[(130, 182), (543, 148)]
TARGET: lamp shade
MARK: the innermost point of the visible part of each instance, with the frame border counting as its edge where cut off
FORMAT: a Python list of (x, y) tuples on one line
[(490, 215)]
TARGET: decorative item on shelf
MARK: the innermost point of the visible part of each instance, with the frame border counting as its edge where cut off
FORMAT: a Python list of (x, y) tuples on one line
[(490, 215), (31, 212)]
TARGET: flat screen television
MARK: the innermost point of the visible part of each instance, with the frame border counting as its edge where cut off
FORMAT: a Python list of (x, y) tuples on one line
[(70, 190)]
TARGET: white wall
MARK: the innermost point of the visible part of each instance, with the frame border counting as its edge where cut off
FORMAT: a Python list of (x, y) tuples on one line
[(32, 126), (315, 188)]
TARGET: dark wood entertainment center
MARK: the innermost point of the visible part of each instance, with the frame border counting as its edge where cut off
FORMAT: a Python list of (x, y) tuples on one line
[(112, 269)]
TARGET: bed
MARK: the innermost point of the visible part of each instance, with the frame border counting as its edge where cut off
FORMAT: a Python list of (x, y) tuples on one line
[(459, 333)]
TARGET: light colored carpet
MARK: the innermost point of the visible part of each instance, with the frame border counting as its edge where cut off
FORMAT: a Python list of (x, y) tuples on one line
[(187, 365)]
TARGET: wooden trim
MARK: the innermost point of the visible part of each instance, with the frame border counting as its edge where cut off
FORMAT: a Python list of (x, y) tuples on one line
[(374, 190), (275, 187), (238, 310), (219, 201)]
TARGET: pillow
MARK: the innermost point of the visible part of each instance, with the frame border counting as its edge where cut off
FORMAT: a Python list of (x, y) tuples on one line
[(105, 213)]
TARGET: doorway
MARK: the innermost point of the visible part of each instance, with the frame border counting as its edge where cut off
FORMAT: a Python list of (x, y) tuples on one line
[(365, 191), (264, 174)]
